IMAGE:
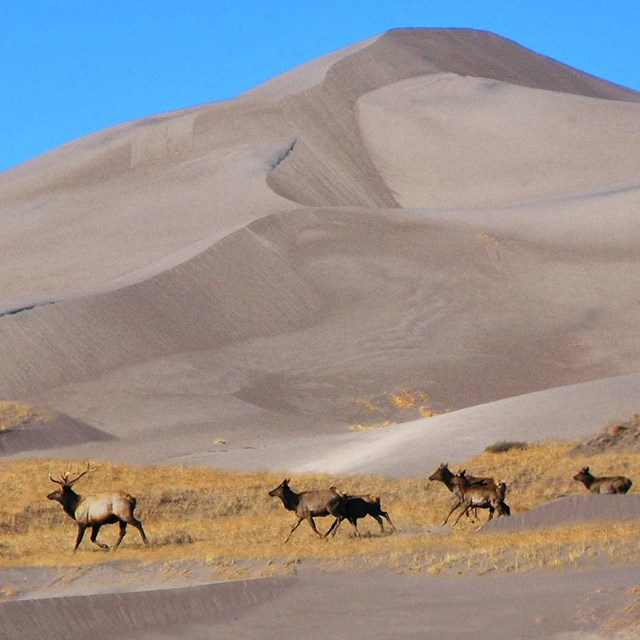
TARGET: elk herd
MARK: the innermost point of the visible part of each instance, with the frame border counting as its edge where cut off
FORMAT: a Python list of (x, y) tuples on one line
[(470, 493)]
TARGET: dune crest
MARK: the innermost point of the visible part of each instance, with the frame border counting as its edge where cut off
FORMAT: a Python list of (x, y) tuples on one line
[(436, 209)]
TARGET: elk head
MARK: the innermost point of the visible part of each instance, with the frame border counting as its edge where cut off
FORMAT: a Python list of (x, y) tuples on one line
[(442, 473), (66, 482), (280, 489)]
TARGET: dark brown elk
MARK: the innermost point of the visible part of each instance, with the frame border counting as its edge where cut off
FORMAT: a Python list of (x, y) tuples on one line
[(308, 504), (445, 475), (481, 497), (612, 484), (96, 509), (353, 508)]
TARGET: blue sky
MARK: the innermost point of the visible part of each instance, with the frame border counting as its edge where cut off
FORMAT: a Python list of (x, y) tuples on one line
[(71, 67)]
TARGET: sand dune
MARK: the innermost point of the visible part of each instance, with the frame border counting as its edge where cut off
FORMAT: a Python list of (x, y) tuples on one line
[(334, 306), (572, 510), (439, 210), (57, 430), (182, 291), (380, 605), (498, 143), (68, 617)]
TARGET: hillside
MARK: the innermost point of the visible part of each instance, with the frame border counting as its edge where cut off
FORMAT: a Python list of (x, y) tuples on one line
[(441, 211)]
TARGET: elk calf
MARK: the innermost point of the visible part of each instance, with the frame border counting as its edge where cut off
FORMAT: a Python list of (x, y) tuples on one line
[(308, 504), (353, 508), (96, 509), (612, 484), (445, 475), (481, 496)]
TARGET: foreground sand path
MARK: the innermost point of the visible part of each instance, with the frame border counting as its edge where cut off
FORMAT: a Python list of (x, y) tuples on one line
[(374, 605)]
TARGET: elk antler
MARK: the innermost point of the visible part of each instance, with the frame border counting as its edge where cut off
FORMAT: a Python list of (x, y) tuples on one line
[(64, 478), (84, 473)]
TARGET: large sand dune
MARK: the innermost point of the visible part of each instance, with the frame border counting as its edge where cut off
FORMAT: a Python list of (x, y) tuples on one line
[(439, 210)]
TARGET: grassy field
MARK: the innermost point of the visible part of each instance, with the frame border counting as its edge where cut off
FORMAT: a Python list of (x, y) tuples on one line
[(228, 521), (16, 414)]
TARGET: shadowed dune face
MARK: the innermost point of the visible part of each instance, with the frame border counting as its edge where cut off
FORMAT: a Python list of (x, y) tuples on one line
[(439, 209), (25, 428)]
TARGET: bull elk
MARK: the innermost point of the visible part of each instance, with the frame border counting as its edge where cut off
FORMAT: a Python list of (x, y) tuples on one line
[(611, 484), (96, 509), (308, 504), (353, 508)]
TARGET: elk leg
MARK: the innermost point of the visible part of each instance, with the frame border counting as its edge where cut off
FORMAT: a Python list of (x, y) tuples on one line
[(455, 506), (491, 510), (475, 516), (334, 527), (465, 510), (313, 525), (81, 528), (379, 521), (123, 531), (295, 526), (388, 519), (94, 534), (138, 525)]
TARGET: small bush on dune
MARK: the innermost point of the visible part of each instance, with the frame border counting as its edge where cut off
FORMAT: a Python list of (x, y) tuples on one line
[(505, 445), (391, 408)]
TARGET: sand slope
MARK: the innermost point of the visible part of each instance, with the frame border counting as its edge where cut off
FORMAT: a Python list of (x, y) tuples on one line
[(439, 210), (434, 209), (378, 605), (57, 430)]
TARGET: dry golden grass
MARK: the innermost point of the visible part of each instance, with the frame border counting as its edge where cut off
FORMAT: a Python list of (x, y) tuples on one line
[(16, 414), (370, 426), (406, 398), (390, 408), (227, 520)]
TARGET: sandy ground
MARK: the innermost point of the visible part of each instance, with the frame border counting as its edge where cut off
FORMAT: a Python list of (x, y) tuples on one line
[(400, 450), (596, 604), (239, 283)]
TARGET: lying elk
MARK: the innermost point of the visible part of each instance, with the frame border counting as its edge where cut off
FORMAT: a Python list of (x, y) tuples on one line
[(353, 508), (308, 504), (96, 509), (489, 496), (613, 484), (445, 475)]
